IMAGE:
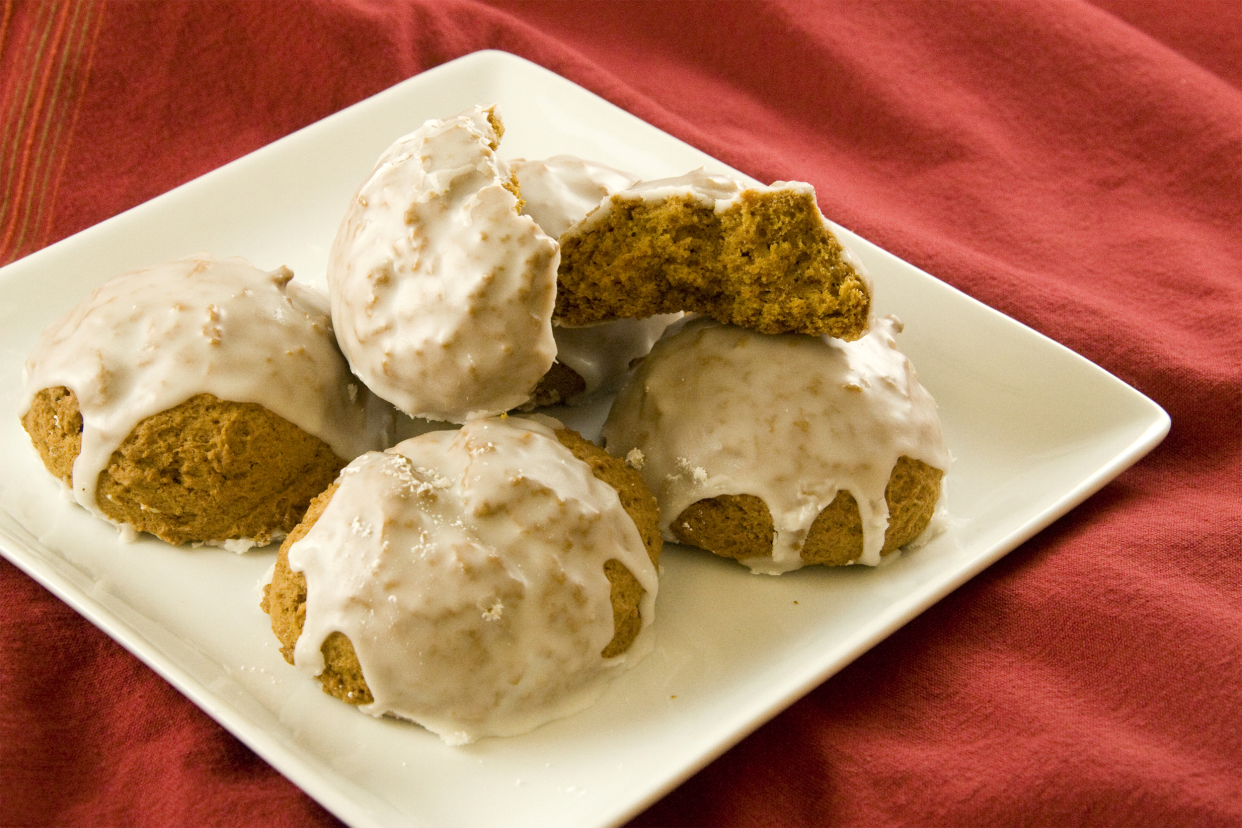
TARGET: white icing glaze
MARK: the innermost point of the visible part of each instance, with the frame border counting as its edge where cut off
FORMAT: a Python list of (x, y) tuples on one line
[(147, 341), (441, 292), (466, 568), (792, 419), (602, 354), (557, 193), (718, 190)]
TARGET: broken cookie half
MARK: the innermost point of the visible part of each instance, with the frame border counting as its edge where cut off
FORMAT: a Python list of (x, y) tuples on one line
[(763, 258)]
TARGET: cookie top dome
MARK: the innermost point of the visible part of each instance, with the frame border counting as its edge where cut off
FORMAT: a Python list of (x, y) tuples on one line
[(441, 291)]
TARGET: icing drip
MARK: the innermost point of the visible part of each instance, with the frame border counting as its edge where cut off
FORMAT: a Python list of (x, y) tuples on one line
[(466, 568), (601, 354), (710, 415)]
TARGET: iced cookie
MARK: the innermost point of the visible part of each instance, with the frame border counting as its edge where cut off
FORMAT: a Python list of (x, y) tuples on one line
[(782, 451), (478, 582), (201, 400)]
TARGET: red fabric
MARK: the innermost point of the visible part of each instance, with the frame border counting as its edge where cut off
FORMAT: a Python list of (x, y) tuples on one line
[(1075, 165)]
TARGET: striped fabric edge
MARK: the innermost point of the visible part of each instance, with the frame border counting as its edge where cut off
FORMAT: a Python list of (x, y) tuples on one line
[(46, 50)]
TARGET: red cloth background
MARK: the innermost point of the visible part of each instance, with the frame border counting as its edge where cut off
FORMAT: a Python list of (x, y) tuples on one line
[(1076, 165)]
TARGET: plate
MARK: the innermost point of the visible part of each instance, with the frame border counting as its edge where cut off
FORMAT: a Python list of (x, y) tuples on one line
[(1035, 429)]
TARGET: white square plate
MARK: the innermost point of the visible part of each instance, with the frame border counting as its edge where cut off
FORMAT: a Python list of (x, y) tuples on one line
[(1035, 429)]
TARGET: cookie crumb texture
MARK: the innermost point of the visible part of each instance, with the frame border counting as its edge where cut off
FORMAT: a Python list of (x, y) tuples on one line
[(768, 263), (54, 424), (207, 470)]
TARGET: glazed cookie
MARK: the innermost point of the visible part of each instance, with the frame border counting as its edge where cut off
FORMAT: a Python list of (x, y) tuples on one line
[(202, 400), (835, 458), (442, 292), (763, 258), (557, 193), (478, 582)]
